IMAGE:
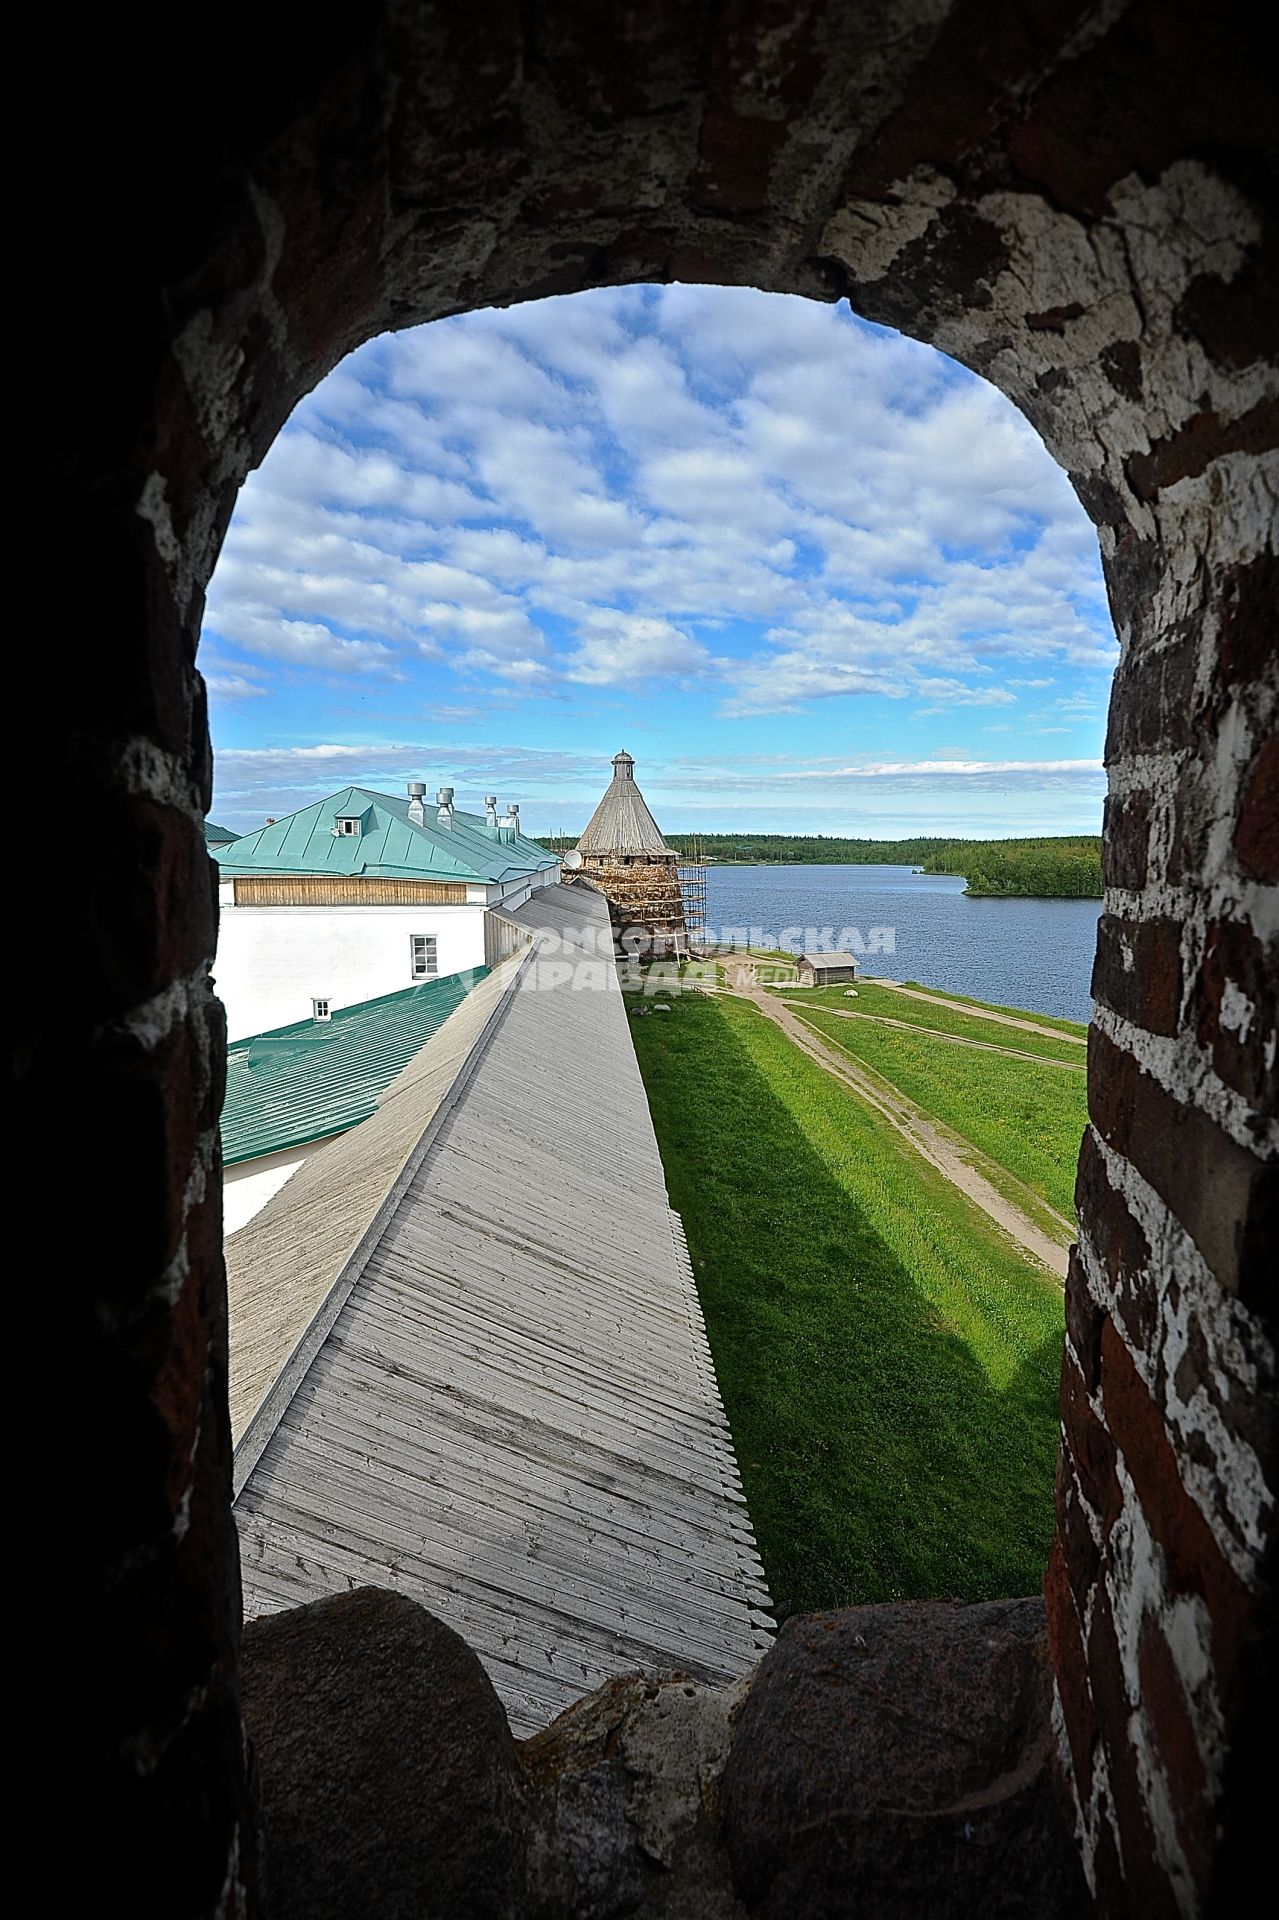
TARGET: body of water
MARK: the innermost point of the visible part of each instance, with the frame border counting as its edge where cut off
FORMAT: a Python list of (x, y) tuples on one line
[(1019, 953)]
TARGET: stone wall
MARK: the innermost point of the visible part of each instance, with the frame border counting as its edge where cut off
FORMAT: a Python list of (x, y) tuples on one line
[(1078, 201), (645, 903)]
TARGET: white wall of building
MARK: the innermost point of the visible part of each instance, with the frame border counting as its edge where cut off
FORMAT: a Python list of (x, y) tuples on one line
[(273, 961), (248, 1186)]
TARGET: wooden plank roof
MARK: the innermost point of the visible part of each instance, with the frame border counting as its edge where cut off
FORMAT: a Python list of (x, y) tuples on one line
[(510, 1412), (622, 822)]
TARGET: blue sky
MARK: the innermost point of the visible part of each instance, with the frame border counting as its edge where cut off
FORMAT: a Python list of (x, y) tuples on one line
[(814, 576)]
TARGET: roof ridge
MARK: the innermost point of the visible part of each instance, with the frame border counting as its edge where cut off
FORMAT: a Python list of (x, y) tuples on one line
[(396, 846)]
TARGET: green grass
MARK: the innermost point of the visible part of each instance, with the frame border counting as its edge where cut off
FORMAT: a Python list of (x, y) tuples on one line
[(888, 1360), (773, 965), (1077, 1027), (1025, 1117), (883, 1001)]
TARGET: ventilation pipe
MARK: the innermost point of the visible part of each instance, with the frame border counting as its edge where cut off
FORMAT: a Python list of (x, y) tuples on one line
[(490, 809), (417, 795), (513, 818), (445, 799)]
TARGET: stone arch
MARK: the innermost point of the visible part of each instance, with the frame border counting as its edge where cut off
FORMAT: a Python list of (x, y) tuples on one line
[(1079, 204)]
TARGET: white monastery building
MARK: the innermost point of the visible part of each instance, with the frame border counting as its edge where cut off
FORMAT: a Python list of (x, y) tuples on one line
[(361, 895)]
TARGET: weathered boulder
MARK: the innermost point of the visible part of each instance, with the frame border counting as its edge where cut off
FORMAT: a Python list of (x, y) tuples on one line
[(623, 1803), (387, 1770), (896, 1761)]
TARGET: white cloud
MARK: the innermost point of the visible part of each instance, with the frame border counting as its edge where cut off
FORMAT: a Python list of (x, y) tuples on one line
[(617, 649), (233, 686), (630, 486), (303, 643), (963, 769)]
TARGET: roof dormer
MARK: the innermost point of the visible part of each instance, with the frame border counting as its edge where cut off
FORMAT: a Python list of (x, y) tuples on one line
[(350, 824)]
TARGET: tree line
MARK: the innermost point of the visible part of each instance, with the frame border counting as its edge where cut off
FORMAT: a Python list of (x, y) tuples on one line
[(1057, 867)]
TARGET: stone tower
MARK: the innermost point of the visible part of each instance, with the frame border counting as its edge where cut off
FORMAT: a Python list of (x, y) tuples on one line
[(624, 855)]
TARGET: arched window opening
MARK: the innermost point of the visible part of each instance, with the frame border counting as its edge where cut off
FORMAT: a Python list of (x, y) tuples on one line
[(852, 616), (1086, 215)]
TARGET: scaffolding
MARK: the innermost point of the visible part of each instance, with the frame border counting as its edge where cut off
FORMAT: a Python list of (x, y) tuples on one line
[(645, 901), (692, 886)]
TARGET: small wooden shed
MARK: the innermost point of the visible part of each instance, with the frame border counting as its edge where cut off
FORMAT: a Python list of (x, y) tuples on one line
[(825, 969)]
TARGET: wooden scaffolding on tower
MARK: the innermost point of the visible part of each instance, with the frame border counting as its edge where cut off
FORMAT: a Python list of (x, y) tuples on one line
[(692, 886)]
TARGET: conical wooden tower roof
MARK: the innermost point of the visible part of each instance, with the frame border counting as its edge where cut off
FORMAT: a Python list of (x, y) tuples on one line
[(622, 823)]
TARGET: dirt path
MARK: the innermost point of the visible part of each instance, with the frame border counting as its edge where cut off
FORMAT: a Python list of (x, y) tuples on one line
[(955, 1039), (978, 1013), (916, 1128)]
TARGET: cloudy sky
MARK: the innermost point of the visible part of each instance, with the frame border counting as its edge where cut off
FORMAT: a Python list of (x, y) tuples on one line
[(814, 576)]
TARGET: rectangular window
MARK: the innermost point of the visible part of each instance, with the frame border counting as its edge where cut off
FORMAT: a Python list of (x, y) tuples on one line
[(425, 960), (348, 826), (320, 1010)]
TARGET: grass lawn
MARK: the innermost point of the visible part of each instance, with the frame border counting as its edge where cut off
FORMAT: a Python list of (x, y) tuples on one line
[(884, 1003), (773, 964), (1025, 1117), (888, 1360), (1077, 1027)]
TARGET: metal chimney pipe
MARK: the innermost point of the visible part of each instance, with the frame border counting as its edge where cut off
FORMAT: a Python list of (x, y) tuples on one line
[(445, 800), (513, 818), (490, 809), (417, 795)]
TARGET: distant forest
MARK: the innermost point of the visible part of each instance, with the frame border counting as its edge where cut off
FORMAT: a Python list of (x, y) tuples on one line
[(1068, 867)]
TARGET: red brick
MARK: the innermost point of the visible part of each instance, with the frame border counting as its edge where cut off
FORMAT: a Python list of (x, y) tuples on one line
[(1122, 1248), (1152, 699), (1147, 1891), (1234, 319), (1125, 840), (1167, 1710), (1203, 438), (1234, 956), (1091, 1449), (1083, 1315), (1070, 1667), (1256, 840), (1249, 599), (1137, 971), (1195, 1563), (1222, 1194), (1082, 1556), (1108, 1876)]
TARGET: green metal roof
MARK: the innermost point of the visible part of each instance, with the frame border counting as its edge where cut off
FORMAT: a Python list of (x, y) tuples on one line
[(218, 836), (319, 1077), (390, 844)]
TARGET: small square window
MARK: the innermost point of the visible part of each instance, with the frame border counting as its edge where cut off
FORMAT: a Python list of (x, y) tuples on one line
[(424, 956), (348, 825), (320, 1010)]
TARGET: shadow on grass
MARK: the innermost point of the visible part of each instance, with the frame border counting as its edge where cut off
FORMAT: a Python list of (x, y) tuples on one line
[(878, 1459)]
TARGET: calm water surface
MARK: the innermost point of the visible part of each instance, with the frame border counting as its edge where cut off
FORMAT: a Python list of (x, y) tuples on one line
[(1019, 953)]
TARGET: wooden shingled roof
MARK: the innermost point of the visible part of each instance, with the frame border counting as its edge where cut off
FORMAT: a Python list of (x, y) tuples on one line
[(496, 1395), (622, 822)]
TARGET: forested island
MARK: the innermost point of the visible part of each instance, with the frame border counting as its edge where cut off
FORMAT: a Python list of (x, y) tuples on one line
[(1064, 867)]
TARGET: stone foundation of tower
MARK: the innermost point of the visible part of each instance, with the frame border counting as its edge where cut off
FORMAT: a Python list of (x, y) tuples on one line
[(645, 902)]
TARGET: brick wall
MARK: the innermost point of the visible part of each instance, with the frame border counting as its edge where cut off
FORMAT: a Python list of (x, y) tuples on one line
[(1080, 203), (1166, 1483)]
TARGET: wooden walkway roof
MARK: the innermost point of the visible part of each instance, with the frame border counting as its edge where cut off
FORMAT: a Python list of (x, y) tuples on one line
[(468, 1359)]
